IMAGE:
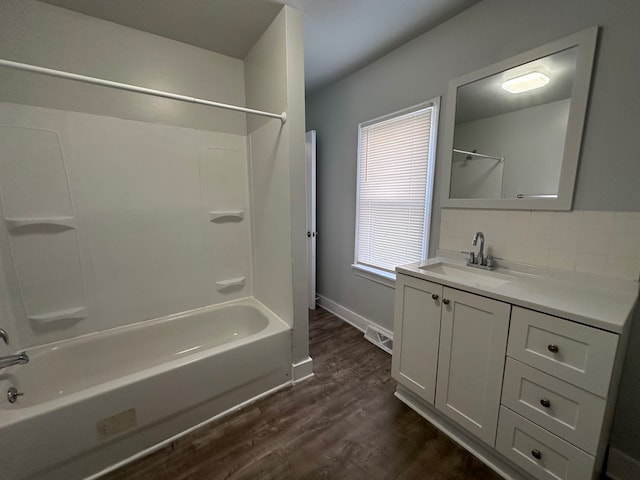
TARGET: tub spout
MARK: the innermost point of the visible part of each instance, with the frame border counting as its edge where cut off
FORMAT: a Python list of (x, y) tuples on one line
[(10, 360)]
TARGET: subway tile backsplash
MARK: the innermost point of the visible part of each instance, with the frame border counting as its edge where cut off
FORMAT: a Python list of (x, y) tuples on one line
[(601, 243)]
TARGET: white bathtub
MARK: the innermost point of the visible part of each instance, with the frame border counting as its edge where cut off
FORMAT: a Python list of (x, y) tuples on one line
[(97, 400)]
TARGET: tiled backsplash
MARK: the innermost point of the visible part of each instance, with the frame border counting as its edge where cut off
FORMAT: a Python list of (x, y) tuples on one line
[(602, 243)]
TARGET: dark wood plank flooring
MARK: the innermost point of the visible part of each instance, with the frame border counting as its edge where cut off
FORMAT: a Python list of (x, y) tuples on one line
[(344, 423)]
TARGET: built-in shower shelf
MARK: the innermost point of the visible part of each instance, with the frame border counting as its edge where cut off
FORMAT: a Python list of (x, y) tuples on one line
[(231, 282), (226, 214), (77, 313), (68, 223)]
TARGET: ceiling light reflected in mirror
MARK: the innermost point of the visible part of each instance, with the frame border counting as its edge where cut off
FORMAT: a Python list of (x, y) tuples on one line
[(526, 82)]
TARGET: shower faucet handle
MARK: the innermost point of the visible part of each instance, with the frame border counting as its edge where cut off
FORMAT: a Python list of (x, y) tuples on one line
[(4, 336)]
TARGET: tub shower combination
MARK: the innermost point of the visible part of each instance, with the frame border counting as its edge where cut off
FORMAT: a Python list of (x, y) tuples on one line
[(134, 385), (85, 405)]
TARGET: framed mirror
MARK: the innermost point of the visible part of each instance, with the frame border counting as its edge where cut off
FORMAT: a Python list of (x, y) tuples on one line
[(513, 129)]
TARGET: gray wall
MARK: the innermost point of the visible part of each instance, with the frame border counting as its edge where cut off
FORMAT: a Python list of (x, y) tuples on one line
[(490, 31)]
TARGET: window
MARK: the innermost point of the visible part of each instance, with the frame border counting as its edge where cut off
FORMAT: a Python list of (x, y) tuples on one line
[(396, 156)]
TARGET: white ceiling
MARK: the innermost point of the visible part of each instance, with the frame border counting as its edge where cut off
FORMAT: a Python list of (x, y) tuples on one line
[(340, 36)]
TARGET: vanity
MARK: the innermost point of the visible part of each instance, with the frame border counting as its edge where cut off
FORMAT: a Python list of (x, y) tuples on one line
[(518, 365)]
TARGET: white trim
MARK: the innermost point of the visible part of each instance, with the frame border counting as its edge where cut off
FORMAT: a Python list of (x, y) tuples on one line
[(433, 103), (351, 317), (621, 466), (379, 276), (302, 370), (585, 41), (169, 440), (399, 113), (431, 168)]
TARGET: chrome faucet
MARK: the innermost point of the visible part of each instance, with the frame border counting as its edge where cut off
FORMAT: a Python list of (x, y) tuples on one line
[(479, 257), (9, 360), (478, 260)]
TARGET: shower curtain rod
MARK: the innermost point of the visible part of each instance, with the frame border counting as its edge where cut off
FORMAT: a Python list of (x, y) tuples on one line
[(478, 154), (134, 88)]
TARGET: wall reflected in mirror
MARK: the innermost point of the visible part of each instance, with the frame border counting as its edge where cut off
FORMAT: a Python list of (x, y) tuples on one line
[(510, 129)]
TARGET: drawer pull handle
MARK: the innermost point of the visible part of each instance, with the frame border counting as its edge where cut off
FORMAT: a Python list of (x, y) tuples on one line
[(536, 454), (445, 301), (435, 296), (545, 402), (553, 348)]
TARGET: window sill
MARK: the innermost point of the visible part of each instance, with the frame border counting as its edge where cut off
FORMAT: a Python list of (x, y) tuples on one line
[(375, 275)]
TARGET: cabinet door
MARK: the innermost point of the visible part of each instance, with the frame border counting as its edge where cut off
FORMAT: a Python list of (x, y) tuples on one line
[(416, 335), (473, 343)]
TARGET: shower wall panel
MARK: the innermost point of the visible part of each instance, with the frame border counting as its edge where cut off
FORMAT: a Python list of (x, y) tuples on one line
[(40, 220), (142, 196)]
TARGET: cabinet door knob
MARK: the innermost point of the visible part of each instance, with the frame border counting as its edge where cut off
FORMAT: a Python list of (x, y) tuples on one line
[(435, 296), (536, 454), (553, 348), (545, 402), (445, 301)]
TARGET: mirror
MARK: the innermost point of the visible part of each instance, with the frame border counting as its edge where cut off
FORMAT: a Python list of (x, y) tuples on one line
[(514, 129)]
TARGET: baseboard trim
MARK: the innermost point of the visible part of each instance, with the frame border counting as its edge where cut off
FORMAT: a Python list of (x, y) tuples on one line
[(302, 370), (351, 317), (621, 466)]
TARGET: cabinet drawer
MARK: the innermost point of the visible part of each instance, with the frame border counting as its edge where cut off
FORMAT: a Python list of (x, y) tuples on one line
[(538, 452), (576, 353), (568, 411)]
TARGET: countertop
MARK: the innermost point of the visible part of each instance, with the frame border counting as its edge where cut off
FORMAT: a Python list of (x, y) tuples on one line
[(597, 301)]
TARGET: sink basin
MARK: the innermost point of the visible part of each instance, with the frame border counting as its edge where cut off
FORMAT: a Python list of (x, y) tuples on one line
[(463, 274)]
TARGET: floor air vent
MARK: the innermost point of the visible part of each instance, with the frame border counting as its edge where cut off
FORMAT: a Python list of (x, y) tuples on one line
[(379, 338)]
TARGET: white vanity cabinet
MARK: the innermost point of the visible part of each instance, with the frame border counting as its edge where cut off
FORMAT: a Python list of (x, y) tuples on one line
[(450, 348), (528, 387), (416, 335)]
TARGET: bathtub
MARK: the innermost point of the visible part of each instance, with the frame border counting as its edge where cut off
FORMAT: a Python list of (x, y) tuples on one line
[(94, 402)]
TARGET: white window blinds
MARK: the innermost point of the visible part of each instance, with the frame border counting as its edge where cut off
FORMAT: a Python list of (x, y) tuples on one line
[(395, 171)]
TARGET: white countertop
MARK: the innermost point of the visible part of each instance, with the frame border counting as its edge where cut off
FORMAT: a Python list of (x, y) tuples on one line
[(597, 301)]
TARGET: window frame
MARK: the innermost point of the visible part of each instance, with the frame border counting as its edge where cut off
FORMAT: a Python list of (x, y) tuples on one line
[(378, 274)]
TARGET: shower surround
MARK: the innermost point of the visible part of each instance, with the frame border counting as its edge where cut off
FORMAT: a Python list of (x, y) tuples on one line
[(121, 211)]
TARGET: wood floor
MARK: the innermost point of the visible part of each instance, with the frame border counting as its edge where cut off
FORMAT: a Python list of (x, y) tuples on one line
[(344, 423)]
